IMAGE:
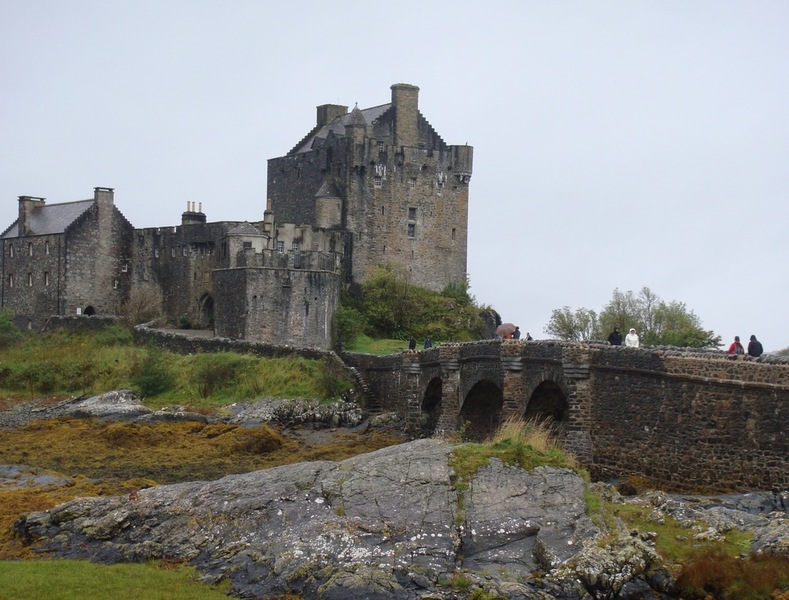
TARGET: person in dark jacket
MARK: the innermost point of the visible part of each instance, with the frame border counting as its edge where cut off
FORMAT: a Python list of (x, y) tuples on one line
[(412, 343), (615, 338), (755, 347), (428, 343)]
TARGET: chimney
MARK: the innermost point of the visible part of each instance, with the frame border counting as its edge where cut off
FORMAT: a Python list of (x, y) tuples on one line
[(328, 112), (405, 99), (28, 204), (191, 217), (104, 195)]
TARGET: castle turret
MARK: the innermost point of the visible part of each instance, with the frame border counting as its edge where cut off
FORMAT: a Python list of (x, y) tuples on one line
[(328, 206), (356, 128), (405, 99)]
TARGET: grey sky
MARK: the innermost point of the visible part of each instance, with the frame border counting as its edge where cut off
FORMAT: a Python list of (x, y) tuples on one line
[(616, 144)]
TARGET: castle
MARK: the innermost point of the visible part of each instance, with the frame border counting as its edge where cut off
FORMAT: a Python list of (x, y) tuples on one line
[(362, 188)]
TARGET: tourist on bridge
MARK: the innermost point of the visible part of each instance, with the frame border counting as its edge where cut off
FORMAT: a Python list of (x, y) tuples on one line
[(412, 343), (631, 339), (755, 347), (516, 335), (428, 343), (736, 347), (615, 338)]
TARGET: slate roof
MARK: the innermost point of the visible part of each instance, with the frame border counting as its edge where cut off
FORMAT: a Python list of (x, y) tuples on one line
[(51, 219), (337, 126)]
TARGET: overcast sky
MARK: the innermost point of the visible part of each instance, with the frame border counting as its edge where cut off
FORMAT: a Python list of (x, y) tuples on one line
[(616, 144)]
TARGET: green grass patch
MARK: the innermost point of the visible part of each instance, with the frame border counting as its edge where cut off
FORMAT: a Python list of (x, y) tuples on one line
[(368, 345), (674, 542), (81, 580), (62, 364)]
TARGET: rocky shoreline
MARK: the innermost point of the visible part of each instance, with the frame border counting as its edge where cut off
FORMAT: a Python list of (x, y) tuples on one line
[(391, 524)]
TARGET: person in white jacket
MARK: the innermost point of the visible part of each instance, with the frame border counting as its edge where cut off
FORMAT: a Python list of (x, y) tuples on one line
[(631, 339)]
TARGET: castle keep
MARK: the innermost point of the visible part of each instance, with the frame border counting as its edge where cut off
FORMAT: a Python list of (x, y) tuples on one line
[(362, 188)]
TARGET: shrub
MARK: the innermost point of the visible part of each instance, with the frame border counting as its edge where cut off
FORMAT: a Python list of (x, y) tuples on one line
[(215, 371), (153, 377), (333, 378), (143, 305), (9, 332)]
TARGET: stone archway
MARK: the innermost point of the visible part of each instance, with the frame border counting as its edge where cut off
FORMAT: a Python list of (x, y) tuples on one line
[(430, 411), (547, 402), (89, 311), (481, 412), (207, 310)]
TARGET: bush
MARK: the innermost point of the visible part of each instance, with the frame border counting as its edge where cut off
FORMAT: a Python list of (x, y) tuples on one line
[(153, 377), (215, 371), (9, 332), (333, 378), (143, 305)]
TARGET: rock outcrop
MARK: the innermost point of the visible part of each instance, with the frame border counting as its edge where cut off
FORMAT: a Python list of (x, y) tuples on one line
[(392, 524)]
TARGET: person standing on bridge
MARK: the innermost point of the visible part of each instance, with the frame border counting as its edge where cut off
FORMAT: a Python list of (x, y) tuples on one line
[(631, 339), (755, 347), (615, 338)]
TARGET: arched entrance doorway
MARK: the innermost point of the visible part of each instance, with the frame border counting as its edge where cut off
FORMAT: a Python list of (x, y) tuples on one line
[(430, 409), (481, 411), (89, 310), (207, 310), (547, 403)]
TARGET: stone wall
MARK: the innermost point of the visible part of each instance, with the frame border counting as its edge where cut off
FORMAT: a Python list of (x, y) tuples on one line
[(98, 252), (272, 305)]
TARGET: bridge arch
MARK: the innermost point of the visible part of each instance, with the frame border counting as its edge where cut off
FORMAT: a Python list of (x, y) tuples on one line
[(430, 409), (548, 401), (481, 412)]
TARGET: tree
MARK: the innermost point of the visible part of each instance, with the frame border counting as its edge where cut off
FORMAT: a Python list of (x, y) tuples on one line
[(579, 325), (658, 322)]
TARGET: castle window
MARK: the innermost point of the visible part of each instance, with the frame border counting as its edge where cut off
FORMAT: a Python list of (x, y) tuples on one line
[(453, 233), (46, 247), (125, 268), (294, 246), (172, 252), (411, 230), (280, 246), (412, 183), (378, 182), (29, 279), (115, 284), (384, 251), (11, 251), (247, 245), (46, 278), (184, 250), (30, 249), (382, 210), (156, 252), (10, 280), (381, 146), (411, 213)]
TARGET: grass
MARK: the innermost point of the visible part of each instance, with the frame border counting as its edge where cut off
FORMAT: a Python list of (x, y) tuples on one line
[(368, 345), (81, 580), (710, 569), (63, 364), (527, 444)]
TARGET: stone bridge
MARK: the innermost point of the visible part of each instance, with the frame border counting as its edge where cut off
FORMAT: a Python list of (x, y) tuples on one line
[(685, 419)]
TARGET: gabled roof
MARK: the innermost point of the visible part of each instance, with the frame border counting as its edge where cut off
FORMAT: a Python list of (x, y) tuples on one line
[(337, 126), (51, 219)]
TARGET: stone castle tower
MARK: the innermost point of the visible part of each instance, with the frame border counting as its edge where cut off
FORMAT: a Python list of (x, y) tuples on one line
[(386, 177), (363, 188)]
